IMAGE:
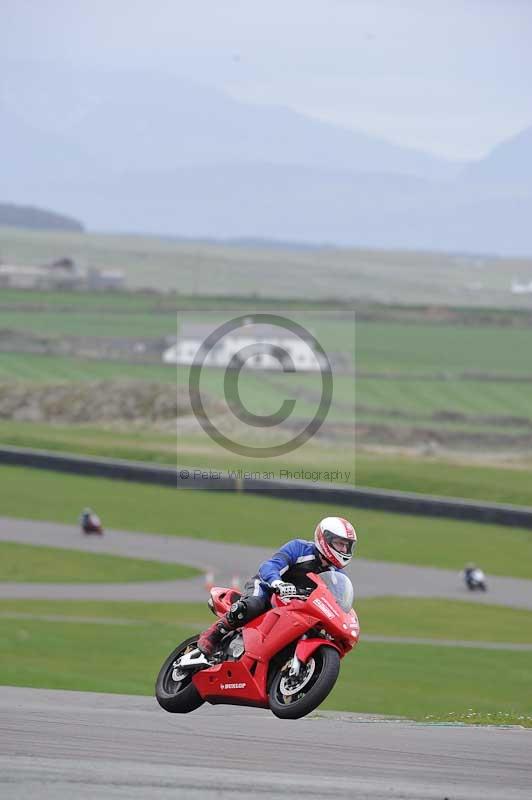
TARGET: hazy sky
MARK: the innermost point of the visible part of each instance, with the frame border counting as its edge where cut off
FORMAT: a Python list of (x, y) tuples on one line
[(452, 77)]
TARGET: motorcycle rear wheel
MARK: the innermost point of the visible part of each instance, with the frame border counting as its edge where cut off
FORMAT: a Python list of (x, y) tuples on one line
[(177, 697), (323, 668)]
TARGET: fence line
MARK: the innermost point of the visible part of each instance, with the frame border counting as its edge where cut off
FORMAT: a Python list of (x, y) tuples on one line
[(211, 480)]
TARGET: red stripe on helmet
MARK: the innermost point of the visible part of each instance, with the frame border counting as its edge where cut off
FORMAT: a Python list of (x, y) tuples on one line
[(350, 531)]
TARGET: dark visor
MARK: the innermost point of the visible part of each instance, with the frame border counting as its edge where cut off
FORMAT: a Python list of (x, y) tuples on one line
[(338, 543)]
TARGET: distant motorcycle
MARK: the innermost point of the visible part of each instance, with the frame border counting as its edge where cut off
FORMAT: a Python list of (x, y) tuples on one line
[(91, 523), (475, 579), (286, 659)]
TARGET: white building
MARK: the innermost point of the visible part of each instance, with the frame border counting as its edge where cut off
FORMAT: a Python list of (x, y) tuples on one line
[(61, 274), (99, 280), (521, 288), (15, 277), (267, 347)]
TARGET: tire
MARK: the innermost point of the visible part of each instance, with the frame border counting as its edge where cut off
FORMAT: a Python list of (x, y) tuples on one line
[(181, 697), (326, 661)]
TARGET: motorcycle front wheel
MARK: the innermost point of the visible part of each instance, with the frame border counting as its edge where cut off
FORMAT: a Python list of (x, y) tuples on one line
[(295, 697), (178, 696)]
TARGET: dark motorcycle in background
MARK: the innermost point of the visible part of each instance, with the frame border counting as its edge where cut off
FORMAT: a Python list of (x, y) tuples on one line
[(475, 579)]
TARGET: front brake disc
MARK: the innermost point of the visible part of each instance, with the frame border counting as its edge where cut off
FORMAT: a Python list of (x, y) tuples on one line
[(287, 685)]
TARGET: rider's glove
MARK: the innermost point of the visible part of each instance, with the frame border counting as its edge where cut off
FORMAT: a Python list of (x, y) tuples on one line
[(284, 589)]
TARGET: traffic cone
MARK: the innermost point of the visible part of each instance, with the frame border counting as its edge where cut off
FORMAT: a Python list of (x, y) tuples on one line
[(209, 579)]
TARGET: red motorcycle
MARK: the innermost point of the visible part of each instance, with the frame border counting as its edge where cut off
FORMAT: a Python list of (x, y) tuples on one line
[(286, 659), (91, 524)]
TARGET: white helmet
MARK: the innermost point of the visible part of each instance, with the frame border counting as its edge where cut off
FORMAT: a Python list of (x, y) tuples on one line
[(335, 539)]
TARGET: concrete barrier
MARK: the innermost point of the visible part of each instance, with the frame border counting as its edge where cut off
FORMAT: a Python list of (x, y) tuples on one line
[(396, 502), (212, 480), (115, 469)]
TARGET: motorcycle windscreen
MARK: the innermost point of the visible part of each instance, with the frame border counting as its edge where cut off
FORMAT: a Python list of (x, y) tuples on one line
[(340, 587)]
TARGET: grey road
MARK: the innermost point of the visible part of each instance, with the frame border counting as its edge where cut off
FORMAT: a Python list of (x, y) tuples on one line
[(371, 578), (60, 745)]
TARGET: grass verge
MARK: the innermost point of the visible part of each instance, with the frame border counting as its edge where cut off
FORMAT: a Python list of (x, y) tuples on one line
[(385, 616), (430, 475), (428, 618), (29, 564), (423, 682), (416, 681), (257, 520)]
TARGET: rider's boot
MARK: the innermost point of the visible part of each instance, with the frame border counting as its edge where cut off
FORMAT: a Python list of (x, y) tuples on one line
[(210, 639)]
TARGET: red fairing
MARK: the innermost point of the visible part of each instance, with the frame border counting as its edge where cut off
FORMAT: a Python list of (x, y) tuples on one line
[(245, 681), (306, 647), (232, 682), (222, 599)]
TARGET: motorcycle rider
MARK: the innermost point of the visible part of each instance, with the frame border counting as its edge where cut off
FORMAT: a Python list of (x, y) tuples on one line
[(474, 577), (334, 542), (90, 522)]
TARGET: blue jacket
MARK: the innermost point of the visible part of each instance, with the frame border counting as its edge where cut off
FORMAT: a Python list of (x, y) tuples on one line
[(293, 560)]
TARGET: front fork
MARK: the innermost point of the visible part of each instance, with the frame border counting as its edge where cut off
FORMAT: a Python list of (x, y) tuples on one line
[(295, 666)]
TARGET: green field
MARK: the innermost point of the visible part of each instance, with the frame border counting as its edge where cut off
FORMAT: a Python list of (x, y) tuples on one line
[(263, 521), (377, 399), (421, 398), (421, 682), (502, 484), (437, 348), (418, 400), (507, 483), (418, 380), (384, 276), (25, 563), (427, 618), (444, 401), (408, 349), (379, 616), (52, 369), (416, 681), (146, 301), (91, 322), (415, 391)]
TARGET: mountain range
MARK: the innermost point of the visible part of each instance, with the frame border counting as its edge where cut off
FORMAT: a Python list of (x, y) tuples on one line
[(154, 154), (37, 218)]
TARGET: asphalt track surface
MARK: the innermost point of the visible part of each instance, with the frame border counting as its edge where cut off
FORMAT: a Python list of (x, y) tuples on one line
[(370, 578), (60, 745)]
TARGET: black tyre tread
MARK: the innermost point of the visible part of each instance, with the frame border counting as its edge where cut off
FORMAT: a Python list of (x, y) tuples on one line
[(318, 692), (186, 700)]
